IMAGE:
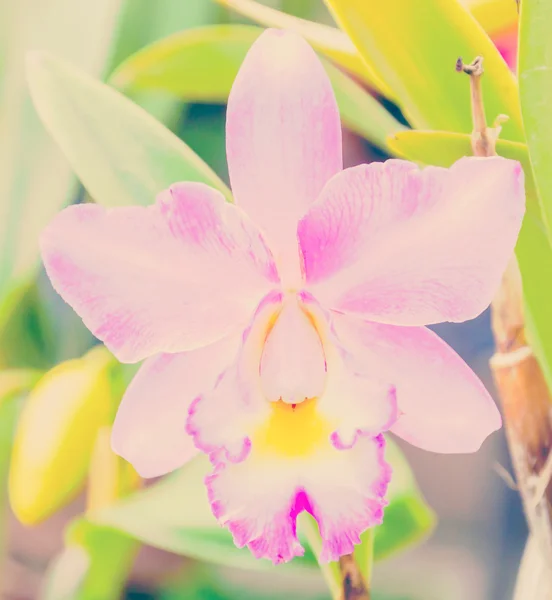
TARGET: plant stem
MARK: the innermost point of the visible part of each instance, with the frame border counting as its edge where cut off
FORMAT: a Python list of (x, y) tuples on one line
[(521, 384), (354, 585), (330, 571), (364, 554)]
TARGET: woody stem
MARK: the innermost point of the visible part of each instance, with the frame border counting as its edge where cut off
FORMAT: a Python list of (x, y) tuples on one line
[(519, 379), (354, 585), (483, 140)]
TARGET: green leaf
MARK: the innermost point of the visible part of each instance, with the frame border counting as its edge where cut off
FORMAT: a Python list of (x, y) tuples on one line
[(35, 180), (360, 112), (533, 248), (328, 40), (200, 65), (175, 515), (414, 50), (535, 263), (144, 21), (94, 564), (199, 581), (408, 519), (307, 527), (121, 154), (535, 88), (25, 333), (307, 9)]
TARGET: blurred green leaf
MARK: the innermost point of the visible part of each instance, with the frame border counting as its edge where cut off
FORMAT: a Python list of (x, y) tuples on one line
[(413, 47), (14, 384), (94, 564), (535, 88), (121, 154), (204, 129), (360, 112), (200, 65), (533, 248), (143, 22), (307, 528), (175, 515), (327, 40), (207, 582), (535, 263), (35, 180), (26, 338), (408, 519), (305, 9)]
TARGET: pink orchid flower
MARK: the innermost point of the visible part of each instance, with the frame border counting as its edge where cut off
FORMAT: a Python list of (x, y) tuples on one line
[(285, 333)]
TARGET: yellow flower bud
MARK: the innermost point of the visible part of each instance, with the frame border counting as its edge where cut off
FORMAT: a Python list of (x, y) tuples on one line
[(56, 433), (110, 477)]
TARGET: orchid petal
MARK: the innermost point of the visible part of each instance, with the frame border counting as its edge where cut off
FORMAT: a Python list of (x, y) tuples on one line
[(147, 280), (408, 247), (355, 402), (259, 498), (150, 427), (222, 418), (283, 139), (443, 405)]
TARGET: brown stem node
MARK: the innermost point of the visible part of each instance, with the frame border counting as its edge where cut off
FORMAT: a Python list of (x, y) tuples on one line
[(354, 586)]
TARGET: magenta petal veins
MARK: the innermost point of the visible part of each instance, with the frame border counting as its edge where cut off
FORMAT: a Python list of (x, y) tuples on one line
[(161, 278), (283, 139), (274, 459), (405, 246), (260, 498), (149, 430), (443, 405)]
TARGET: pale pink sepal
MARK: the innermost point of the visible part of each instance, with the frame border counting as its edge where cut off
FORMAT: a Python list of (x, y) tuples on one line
[(409, 247), (443, 406), (357, 401), (150, 426), (283, 139), (161, 278)]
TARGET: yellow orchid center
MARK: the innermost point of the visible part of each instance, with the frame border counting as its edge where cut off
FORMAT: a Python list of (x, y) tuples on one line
[(293, 430)]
